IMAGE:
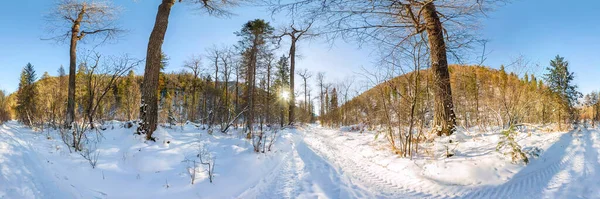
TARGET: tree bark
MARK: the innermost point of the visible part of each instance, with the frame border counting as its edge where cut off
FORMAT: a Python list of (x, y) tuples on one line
[(215, 93), (194, 93), (268, 98), (292, 103), (72, 67), (149, 108), (251, 82), (226, 100), (305, 95), (444, 118)]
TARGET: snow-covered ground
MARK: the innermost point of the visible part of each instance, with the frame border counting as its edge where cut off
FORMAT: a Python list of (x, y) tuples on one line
[(307, 162)]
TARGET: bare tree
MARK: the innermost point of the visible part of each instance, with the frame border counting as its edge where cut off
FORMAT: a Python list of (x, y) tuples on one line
[(227, 63), (305, 75), (344, 90), (215, 56), (149, 107), (73, 20), (101, 77), (295, 33), (194, 63), (321, 83)]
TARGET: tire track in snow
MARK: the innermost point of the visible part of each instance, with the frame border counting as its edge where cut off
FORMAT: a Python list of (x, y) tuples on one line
[(304, 174), (376, 178), (268, 185), (557, 174), (286, 182), (567, 161), (24, 171)]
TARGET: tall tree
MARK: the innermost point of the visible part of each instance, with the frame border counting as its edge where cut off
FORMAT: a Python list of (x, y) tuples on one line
[(560, 82), (255, 36), (321, 83), (61, 95), (444, 107), (149, 107), (333, 108), (75, 20), (227, 63), (194, 63), (305, 75), (591, 100), (26, 103), (294, 33)]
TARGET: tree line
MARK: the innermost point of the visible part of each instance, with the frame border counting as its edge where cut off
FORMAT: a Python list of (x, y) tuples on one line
[(401, 108)]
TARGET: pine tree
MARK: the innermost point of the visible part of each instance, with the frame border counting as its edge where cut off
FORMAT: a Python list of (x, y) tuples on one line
[(26, 103), (560, 82), (255, 36)]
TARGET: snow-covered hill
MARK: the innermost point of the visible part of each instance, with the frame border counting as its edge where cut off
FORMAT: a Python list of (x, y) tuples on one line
[(308, 162)]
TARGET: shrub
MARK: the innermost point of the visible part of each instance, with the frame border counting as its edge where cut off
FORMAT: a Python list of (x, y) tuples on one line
[(508, 146)]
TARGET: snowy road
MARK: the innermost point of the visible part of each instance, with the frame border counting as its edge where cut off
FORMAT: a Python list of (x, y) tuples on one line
[(305, 174), (22, 170), (320, 167), (310, 162)]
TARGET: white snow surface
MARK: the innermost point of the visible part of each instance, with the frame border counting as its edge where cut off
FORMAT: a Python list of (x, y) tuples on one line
[(306, 162)]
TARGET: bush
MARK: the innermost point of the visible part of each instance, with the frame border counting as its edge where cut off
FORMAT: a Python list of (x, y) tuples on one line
[(508, 146)]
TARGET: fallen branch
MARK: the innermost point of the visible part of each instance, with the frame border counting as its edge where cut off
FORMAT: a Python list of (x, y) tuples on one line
[(224, 130)]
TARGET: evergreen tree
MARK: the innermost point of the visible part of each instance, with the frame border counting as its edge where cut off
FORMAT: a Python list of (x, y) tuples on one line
[(560, 81), (255, 36), (283, 68), (281, 84), (591, 100), (26, 103)]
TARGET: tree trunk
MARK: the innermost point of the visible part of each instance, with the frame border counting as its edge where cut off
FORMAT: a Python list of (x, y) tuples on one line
[(215, 108), (251, 82), (305, 96), (444, 117), (292, 102), (237, 89), (322, 105), (149, 108), (226, 100), (252, 88), (194, 85), (268, 98), (72, 67), (91, 96)]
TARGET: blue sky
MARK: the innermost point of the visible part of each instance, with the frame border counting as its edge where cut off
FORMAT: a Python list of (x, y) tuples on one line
[(539, 30)]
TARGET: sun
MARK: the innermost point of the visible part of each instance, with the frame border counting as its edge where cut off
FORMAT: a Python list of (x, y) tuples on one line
[(285, 95)]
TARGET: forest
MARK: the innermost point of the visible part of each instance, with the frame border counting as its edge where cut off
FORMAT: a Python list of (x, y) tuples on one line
[(428, 98)]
